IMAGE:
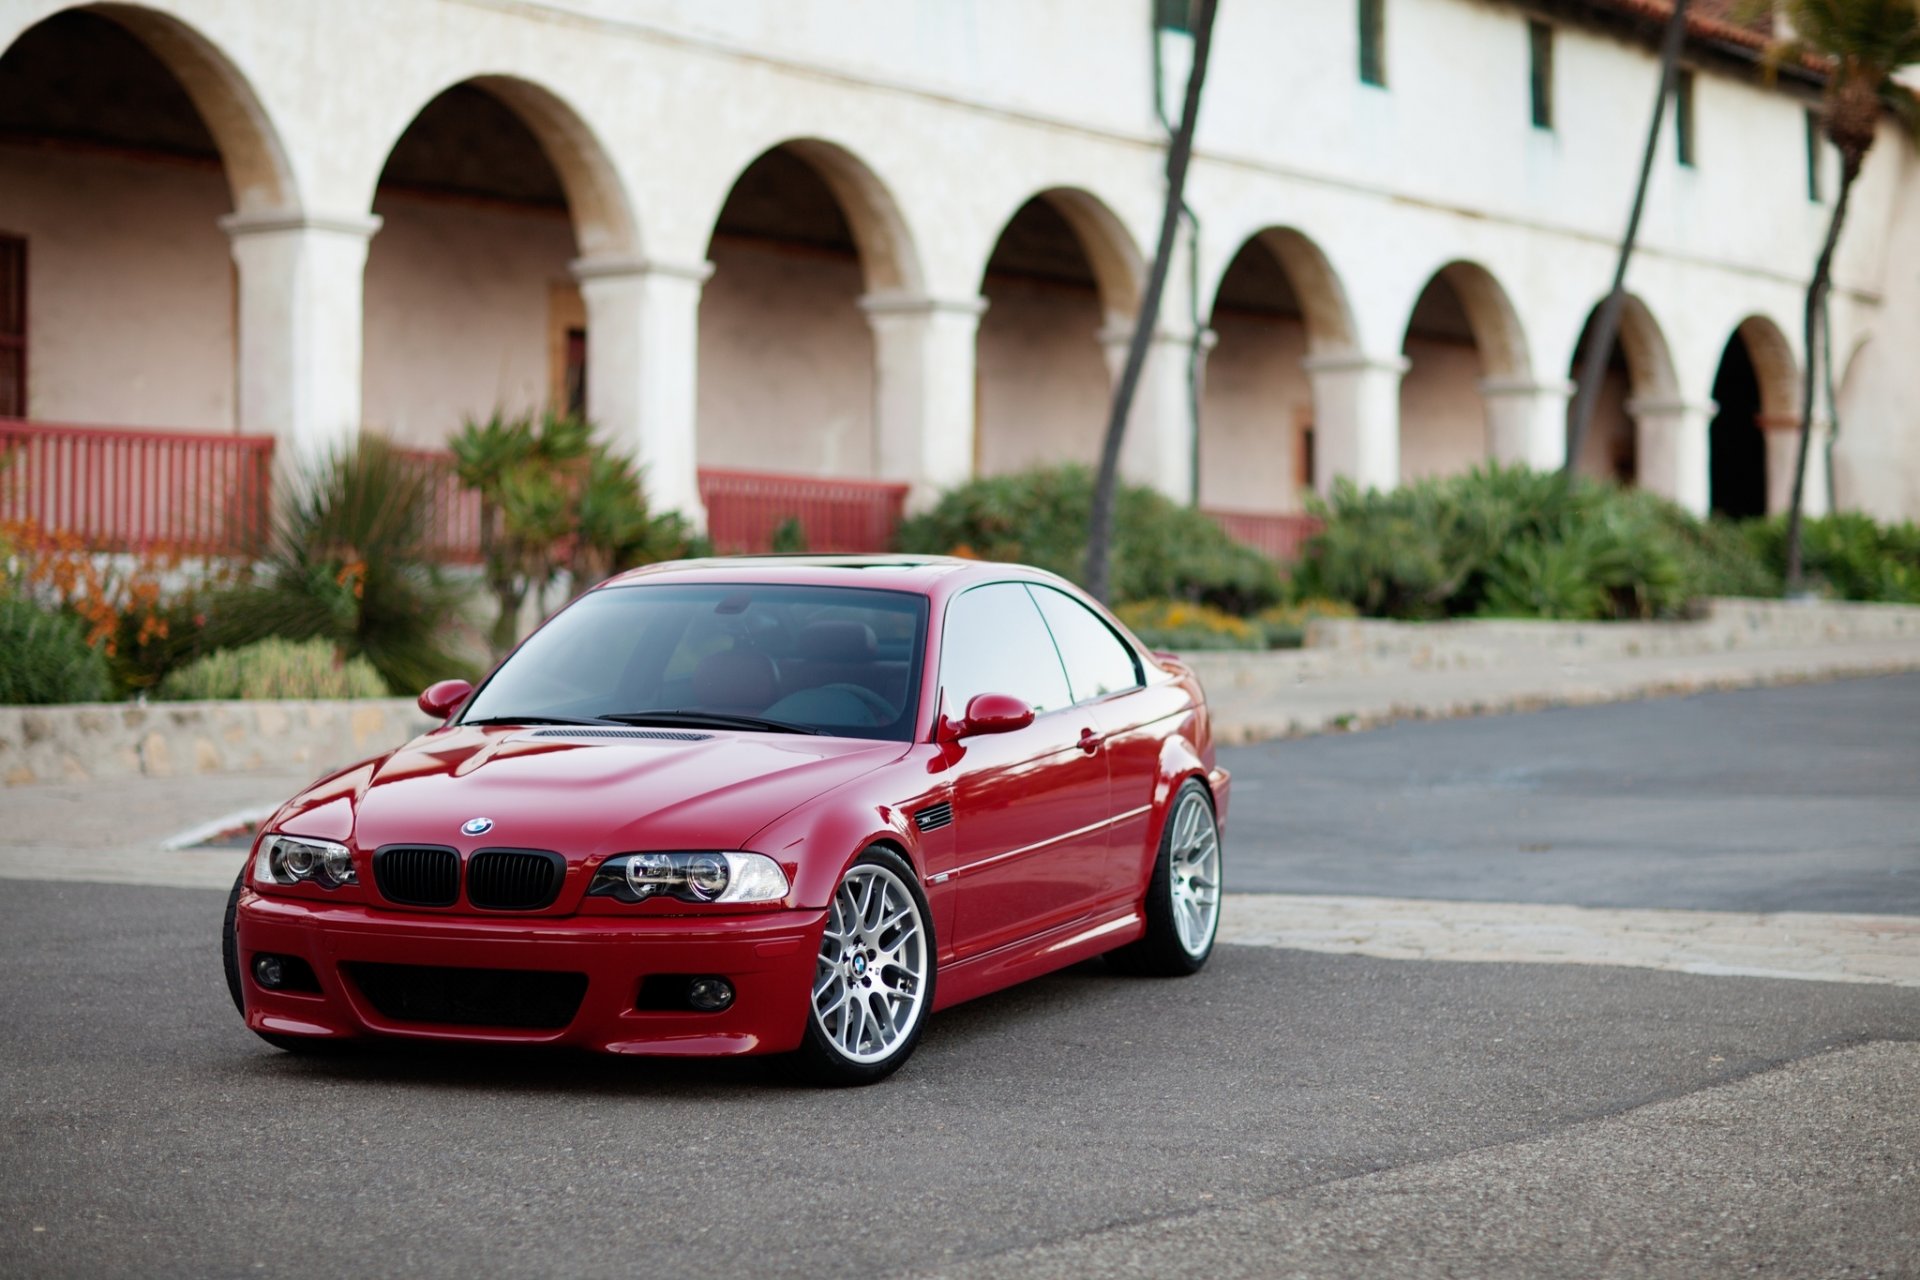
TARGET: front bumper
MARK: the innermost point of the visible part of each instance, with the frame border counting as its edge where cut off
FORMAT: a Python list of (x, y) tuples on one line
[(768, 957)]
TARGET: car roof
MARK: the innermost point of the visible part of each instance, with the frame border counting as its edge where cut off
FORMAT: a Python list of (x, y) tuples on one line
[(927, 575)]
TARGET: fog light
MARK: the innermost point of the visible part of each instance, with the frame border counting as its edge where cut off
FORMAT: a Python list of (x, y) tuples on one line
[(268, 972), (709, 995)]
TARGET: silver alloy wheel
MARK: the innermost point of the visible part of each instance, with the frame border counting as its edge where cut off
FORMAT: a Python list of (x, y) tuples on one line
[(1193, 874), (871, 978)]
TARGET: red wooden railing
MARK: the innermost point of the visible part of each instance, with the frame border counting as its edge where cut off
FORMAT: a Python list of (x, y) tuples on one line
[(1278, 537), (453, 520), (745, 508), (121, 489)]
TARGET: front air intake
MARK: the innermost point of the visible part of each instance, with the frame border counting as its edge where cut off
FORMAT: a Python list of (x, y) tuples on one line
[(514, 879), (417, 875)]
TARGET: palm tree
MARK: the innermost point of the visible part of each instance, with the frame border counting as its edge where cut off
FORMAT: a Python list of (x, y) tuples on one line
[(1862, 45), (1607, 324), (1179, 153)]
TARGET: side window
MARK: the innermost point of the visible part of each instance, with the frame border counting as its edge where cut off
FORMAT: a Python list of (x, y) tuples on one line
[(1098, 661), (995, 642)]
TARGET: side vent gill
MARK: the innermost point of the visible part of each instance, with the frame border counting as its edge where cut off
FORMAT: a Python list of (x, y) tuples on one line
[(934, 817)]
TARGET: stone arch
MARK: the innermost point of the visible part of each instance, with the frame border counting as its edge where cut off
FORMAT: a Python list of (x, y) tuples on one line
[(1062, 284), (1463, 339), (1752, 442), (889, 259), (597, 202), (1315, 285), (1277, 306), (488, 198), (1638, 373), (250, 148)]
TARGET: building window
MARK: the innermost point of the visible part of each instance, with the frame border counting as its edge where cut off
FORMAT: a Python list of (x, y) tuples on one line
[(13, 327), (1373, 42), (1683, 118), (1540, 51), (1814, 139)]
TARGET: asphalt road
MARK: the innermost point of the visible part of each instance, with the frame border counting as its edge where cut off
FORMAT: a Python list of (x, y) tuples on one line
[(1792, 799), (1282, 1113)]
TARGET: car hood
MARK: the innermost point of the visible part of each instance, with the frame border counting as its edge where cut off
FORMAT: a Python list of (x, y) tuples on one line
[(580, 794)]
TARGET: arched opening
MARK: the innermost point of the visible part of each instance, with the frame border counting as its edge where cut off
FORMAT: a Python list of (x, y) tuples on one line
[(124, 138), (1737, 452), (1462, 332), (1060, 285), (485, 201), (1638, 370), (1278, 303), (786, 355)]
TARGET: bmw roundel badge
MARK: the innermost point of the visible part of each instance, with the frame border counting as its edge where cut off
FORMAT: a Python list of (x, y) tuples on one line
[(476, 826)]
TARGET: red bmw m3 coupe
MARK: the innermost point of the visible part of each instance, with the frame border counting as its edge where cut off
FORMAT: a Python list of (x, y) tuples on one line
[(749, 806)]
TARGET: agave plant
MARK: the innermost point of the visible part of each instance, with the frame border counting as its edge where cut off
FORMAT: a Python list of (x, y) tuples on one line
[(347, 564)]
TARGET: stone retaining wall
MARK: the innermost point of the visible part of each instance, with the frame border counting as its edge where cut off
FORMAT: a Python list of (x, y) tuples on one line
[(160, 739)]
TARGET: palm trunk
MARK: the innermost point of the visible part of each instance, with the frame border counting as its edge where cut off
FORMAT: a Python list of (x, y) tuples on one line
[(1816, 304), (1593, 364), (1179, 153)]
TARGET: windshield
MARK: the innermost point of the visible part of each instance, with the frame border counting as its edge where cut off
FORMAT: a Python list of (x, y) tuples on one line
[(837, 660)]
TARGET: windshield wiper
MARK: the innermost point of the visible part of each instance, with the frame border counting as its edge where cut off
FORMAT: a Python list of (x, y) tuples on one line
[(485, 720), (711, 719)]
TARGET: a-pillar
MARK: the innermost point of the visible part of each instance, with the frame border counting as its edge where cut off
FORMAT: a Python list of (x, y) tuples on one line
[(1356, 419), (923, 394), (1671, 449), (300, 317), (1782, 434), (1527, 422), (1158, 449), (643, 361)]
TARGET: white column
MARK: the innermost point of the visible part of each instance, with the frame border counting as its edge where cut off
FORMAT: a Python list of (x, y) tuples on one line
[(923, 392), (300, 321), (1671, 449), (643, 347), (1527, 422), (1159, 445), (1356, 419), (1782, 435)]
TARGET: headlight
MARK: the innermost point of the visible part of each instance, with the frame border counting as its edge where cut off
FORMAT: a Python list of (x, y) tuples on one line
[(287, 859), (690, 877)]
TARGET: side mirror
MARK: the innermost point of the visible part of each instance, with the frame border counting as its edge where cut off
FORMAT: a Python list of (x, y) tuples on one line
[(995, 713), (443, 699)]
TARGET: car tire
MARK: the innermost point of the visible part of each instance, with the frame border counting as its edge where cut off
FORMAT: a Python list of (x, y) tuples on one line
[(874, 974), (230, 961), (1182, 904)]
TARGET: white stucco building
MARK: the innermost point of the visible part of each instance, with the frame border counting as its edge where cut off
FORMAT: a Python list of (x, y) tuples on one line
[(904, 240)]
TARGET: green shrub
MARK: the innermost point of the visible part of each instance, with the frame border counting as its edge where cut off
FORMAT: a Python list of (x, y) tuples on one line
[(47, 657), (1848, 555), (347, 565), (273, 669), (1508, 542), (1162, 550)]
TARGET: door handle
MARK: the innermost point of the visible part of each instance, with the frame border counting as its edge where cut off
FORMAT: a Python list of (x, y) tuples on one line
[(1089, 741)]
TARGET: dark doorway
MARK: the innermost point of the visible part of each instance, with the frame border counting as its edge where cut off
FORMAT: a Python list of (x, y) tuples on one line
[(1737, 452)]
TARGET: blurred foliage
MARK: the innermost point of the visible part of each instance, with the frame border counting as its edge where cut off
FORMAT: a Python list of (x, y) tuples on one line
[(48, 658), (347, 564), (274, 669), (1182, 626), (1161, 550), (553, 501), (789, 537), (1509, 542), (1847, 556)]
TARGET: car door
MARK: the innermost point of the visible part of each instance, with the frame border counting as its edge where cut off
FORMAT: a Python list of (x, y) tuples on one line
[(1106, 681), (1030, 806)]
